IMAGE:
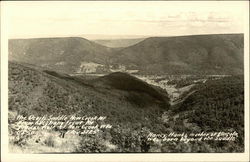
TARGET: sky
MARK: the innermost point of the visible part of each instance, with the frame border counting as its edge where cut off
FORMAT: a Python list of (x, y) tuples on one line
[(114, 19)]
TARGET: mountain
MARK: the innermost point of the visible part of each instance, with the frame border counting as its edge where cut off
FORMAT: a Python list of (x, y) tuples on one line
[(41, 83), (40, 92), (134, 108), (196, 54), (118, 43), (34, 91), (60, 54), (218, 106), (141, 93)]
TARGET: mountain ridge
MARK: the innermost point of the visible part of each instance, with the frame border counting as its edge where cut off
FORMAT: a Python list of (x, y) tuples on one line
[(186, 54), (56, 93), (195, 54)]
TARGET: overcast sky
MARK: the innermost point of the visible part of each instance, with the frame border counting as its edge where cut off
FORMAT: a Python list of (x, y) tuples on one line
[(160, 18)]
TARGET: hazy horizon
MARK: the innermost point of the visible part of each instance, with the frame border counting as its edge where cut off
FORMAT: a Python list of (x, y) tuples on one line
[(117, 37)]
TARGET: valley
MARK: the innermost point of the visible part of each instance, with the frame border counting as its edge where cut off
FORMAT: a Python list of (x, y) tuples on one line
[(172, 84), (156, 85)]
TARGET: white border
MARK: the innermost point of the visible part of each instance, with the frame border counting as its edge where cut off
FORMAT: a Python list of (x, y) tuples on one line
[(6, 157)]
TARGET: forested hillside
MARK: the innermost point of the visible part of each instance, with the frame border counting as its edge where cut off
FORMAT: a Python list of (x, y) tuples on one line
[(33, 91), (217, 105), (59, 54), (37, 92), (134, 108), (196, 54)]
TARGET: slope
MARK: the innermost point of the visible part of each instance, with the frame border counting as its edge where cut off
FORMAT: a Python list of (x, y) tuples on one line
[(60, 54), (196, 54), (33, 91), (217, 105), (140, 92)]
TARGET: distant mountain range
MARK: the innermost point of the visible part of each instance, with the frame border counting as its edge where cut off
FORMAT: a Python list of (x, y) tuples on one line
[(197, 54), (118, 43)]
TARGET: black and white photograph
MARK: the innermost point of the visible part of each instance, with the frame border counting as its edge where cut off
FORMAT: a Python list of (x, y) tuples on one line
[(137, 77)]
